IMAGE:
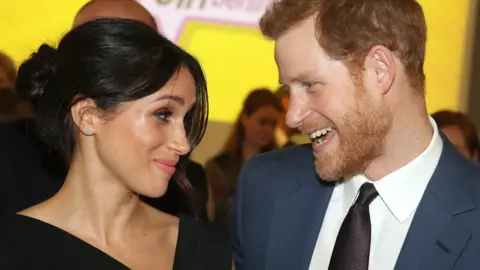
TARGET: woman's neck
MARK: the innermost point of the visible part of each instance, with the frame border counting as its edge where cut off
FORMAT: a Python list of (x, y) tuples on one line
[(94, 205)]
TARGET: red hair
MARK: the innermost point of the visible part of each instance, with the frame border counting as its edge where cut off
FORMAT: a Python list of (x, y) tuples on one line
[(348, 29)]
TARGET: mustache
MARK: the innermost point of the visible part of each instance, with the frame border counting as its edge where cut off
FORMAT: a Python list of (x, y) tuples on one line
[(308, 128)]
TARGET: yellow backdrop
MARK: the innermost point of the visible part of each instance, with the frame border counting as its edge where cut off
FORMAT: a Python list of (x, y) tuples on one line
[(237, 58)]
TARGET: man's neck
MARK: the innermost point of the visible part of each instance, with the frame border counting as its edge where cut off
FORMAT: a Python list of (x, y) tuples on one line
[(409, 136)]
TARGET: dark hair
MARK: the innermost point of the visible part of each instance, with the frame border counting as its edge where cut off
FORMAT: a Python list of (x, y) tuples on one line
[(467, 128), (110, 61), (258, 98)]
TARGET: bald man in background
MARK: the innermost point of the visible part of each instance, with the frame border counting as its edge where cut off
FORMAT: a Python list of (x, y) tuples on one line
[(126, 9), (30, 172)]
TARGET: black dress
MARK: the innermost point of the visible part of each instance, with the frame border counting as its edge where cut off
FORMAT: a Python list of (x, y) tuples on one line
[(27, 244)]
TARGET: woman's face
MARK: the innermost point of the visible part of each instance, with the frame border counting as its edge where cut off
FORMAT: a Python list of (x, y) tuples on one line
[(143, 142), (260, 125)]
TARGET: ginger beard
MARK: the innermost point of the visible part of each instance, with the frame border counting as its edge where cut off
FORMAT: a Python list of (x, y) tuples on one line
[(360, 135)]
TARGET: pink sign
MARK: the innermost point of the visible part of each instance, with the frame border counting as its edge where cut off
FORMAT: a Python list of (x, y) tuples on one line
[(171, 15)]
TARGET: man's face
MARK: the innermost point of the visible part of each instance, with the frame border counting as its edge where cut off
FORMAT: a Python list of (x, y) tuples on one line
[(346, 124)]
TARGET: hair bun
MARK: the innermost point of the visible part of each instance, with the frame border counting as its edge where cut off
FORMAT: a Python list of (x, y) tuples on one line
[(35, 73)]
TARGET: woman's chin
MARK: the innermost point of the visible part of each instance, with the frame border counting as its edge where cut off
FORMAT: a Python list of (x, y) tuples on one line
[(153, 192)]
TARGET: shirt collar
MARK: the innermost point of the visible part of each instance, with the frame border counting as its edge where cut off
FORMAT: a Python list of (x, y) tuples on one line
[(402, 189)]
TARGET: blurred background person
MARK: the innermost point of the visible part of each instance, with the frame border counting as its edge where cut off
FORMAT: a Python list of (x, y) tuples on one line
[(8, 72), (11, 106), (460, 131), (125, 9), (253, 133), (285, 134)]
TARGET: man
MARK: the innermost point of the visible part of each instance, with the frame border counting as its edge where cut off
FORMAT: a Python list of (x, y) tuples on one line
[(382, 189), (30, 172), (126, 9)]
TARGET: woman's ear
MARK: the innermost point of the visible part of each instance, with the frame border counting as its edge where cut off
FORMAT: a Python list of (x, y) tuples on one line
[(86, 116)]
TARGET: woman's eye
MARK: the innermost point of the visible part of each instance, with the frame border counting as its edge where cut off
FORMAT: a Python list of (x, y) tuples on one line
[(164, 115)]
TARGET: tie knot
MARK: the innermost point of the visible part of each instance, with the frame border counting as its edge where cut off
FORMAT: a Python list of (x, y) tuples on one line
[(367, 194)]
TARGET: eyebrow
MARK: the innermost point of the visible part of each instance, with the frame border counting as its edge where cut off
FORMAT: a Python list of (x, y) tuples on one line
[(303, 76), (178, 99)]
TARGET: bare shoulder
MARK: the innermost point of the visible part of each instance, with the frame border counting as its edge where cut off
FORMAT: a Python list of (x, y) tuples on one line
[(38, 211)]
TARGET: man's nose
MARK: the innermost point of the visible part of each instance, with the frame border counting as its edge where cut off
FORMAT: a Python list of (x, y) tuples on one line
[(297, 109)]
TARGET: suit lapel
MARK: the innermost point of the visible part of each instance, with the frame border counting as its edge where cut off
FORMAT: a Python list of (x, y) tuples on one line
[(296, 222), (436, 239)]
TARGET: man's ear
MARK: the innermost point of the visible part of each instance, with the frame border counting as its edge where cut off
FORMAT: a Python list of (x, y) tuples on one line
[(380, 61), (86, 116)]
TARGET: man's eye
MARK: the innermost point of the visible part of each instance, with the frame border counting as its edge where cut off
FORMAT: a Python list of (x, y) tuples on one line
[(308, 84)]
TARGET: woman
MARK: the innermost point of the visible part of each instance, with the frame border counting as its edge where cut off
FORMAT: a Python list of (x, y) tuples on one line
[(252, 133), (124, 105)]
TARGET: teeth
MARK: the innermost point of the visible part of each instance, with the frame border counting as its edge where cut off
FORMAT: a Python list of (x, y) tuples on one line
[(320, 141), (320, 132)]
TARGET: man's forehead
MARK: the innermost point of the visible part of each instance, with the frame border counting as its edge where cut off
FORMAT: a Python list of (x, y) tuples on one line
[(302, 63), (297, 43)]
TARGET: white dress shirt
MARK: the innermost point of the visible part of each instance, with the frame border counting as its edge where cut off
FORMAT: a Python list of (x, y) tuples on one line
[(391, 213)]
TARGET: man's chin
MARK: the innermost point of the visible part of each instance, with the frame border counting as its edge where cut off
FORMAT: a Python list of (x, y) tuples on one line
[(334, 168), (329, 173)]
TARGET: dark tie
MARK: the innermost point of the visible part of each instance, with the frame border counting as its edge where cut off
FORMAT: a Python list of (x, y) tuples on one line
[(352, 248)]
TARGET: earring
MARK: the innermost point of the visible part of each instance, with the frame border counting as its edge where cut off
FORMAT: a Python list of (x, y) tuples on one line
[(88, 132)]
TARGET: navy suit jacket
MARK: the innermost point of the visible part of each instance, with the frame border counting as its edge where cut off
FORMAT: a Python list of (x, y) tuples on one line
[(281, 203)]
